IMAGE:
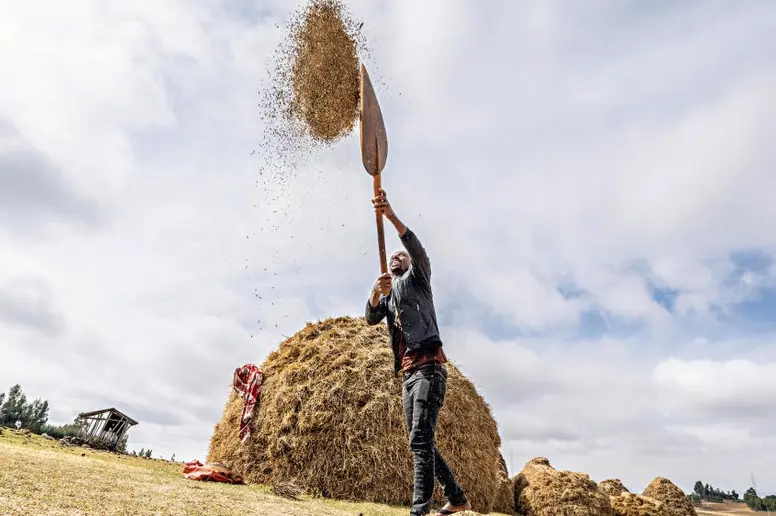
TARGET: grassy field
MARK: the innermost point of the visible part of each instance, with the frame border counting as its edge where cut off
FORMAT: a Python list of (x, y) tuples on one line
[(40, 477)]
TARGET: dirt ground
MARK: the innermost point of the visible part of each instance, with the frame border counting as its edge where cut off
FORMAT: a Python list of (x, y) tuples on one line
[(40, 477), (722, 509)]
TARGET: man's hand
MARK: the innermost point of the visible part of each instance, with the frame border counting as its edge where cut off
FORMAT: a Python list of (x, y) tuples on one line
[(381, 286), (382, 206)]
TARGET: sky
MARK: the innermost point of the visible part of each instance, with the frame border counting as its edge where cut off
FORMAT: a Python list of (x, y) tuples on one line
[(592, 182)]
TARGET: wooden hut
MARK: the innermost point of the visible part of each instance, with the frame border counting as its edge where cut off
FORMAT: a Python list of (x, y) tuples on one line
[(106, 426)]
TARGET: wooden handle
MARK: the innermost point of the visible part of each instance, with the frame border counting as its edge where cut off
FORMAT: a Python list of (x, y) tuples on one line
[(380, 230)]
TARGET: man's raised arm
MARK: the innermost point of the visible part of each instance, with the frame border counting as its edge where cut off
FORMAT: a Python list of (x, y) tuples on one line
[(418, 255)]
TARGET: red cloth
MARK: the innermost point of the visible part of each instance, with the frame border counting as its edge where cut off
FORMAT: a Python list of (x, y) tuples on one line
[(195, 470), (247, 382)]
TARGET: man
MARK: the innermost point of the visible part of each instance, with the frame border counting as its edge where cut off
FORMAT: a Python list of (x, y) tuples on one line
[(404, 298)]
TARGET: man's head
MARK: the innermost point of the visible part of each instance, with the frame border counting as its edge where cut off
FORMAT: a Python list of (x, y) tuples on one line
[(399, 263)]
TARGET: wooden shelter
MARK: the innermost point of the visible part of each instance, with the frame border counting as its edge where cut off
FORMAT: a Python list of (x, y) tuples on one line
[(108, 426)]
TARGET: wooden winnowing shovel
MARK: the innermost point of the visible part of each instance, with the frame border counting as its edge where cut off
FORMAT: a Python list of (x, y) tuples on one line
[(374, 149)]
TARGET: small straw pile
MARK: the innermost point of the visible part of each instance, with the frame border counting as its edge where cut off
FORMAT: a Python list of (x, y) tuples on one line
[(330, 420), (505, 494), (541, 490), (673, 498), (612, 487), (629, 504)]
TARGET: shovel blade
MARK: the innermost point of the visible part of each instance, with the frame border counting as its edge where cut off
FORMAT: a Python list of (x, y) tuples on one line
[(374, 140)]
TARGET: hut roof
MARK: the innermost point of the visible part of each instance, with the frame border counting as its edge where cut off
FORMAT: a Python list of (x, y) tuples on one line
[(112, 410)]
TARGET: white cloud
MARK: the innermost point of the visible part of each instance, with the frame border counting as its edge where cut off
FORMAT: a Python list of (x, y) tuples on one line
[(716, 386)]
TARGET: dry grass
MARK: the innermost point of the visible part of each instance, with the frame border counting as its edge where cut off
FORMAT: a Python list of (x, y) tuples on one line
[(330, 420), (541, 490), (40, 477)]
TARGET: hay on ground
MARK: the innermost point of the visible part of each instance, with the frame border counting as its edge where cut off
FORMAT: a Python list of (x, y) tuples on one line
[(541, 490), (612, 487), (330, 420), (287, 490), (673, 498), (629, 504)]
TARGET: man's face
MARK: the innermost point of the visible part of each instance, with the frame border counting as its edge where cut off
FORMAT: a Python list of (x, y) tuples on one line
[(399, 263)]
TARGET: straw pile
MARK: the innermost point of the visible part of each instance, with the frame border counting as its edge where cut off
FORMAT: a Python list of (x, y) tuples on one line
[(629, 504), (330, 420), (673, 498), (541, 490), (505, 494), (612, 487)]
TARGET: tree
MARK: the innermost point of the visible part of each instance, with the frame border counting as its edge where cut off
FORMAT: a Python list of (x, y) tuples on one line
[(37, 414), (734, 495), (752, 500), (14, 408), (698, 489)]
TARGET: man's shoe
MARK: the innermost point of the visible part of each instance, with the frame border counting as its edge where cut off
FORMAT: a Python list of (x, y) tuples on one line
[(452, 509)]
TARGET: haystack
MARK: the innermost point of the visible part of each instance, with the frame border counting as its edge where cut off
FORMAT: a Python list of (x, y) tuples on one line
[(330, 420), (629, 504), (673, 498), (612, 487), (541, 490)]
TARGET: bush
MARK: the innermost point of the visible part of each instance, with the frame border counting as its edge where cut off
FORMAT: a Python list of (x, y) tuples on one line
[(58, 432)]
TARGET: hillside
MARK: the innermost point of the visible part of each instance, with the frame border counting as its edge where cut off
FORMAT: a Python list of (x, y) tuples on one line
[(40, 476)]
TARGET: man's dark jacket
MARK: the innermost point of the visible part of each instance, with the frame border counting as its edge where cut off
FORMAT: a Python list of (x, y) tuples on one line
[(411, 297)]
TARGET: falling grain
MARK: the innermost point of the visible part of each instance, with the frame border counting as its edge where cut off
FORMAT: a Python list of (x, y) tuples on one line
[(313, 97), (325, 72)]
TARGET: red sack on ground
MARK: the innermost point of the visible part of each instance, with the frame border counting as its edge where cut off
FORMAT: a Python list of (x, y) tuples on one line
[(195, 470)]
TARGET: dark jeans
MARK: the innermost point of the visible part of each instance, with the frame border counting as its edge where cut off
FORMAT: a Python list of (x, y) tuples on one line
[(423, 395)]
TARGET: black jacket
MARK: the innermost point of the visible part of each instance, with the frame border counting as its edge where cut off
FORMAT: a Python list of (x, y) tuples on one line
[(411, 297)]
